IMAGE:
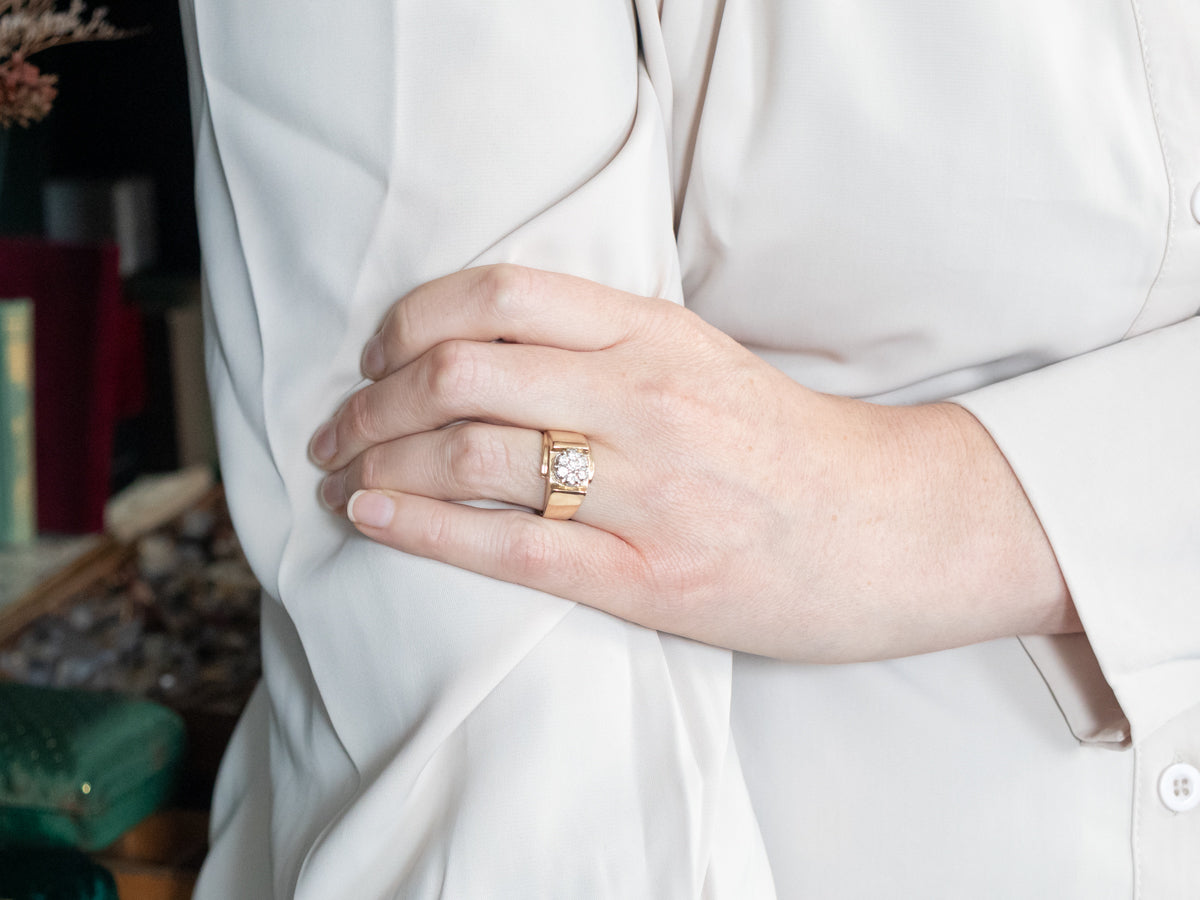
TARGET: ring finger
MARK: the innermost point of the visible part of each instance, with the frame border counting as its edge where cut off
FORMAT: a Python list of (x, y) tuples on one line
[(465, 461)]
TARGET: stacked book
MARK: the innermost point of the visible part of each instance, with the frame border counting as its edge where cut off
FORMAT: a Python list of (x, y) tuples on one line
[(87, 364), (18, 510)]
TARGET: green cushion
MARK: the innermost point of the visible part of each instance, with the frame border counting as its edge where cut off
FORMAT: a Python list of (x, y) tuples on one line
[(53, 874), (81, 768)]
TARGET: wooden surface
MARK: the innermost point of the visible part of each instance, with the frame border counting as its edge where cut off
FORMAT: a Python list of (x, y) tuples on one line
[(159, 858), (136, 512), (171, 837), (99, 562)]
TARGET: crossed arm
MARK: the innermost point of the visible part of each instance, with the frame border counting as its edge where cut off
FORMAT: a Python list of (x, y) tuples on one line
[(730, 504)]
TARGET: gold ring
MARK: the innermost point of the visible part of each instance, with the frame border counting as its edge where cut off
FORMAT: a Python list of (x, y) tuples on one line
[(568, 469)]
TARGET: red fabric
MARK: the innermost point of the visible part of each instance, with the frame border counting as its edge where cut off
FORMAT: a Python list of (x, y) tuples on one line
[(88, 371)]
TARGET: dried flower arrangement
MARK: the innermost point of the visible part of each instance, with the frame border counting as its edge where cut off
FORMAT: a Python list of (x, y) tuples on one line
[(28, 27)]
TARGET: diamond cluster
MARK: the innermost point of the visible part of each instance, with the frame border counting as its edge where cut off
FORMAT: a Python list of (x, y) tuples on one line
[(571, 467)]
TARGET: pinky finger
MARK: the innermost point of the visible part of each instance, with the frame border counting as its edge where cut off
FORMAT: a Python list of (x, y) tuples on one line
[(567, 559)]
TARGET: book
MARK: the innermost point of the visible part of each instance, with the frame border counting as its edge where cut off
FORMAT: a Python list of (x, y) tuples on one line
[(18, 510), (120, 210), (195, 440), (90, 372), (177, 428)]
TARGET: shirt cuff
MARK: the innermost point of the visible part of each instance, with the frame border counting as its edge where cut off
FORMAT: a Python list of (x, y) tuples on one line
[(1072, 672), (1107, 448)]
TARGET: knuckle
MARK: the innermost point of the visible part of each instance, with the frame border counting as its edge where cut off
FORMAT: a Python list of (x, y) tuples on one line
[(370, 468), (360, 418), (397, 330), (504, 289), (664, 322), (528, 548), (690, 581), (454, 373), (677, 580), (476, 456), (435, 533), (670, 400)]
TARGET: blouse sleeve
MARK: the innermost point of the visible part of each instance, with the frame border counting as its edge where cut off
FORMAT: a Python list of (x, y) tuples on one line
[(433, 732), (1107, 447)]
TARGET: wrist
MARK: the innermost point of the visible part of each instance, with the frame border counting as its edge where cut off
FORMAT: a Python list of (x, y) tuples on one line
[(950, 551), (1006, 567)]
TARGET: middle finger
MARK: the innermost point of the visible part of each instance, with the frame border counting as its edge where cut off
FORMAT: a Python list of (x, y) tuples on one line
[(511, 384)]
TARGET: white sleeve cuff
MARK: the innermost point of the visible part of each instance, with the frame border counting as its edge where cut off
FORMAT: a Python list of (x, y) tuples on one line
[(1107, 448)]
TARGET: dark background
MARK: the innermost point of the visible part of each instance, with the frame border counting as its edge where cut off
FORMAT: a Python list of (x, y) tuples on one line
[(122, 109)]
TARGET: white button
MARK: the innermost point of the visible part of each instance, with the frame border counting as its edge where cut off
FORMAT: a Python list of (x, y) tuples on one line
[(1179, 787), (1196, 203)]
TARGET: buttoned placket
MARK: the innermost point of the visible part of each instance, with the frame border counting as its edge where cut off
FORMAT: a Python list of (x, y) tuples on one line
[(1166, 811), (1166, 822)]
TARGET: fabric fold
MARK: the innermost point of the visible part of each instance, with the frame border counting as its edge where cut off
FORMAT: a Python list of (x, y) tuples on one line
[(415, 711)]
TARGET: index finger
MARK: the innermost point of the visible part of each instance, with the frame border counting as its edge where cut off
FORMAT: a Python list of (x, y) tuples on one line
[(502, 302)]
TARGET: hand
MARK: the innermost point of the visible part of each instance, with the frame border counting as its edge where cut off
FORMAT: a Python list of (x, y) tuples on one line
[(729, 504)]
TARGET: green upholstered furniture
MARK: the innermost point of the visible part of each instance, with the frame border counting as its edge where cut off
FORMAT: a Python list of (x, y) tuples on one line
[(80, 768)]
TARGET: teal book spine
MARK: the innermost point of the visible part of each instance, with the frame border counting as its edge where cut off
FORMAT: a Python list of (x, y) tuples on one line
[(18, 504)]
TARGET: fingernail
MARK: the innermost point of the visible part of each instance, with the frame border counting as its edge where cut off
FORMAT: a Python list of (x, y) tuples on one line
[(372, 358), (371, 509), (324, 443), (333, 490)]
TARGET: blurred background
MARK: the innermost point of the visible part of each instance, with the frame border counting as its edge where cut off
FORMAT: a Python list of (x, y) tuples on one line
[(113, 161), (121, 111), (128, 616)]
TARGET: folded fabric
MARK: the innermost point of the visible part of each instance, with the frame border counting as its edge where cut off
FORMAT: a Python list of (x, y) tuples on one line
[(80, 768)]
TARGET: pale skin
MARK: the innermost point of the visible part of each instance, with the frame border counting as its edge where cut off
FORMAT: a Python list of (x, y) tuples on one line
[(730, 504)]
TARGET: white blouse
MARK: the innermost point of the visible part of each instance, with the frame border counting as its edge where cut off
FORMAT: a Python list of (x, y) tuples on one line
[(906, 202)]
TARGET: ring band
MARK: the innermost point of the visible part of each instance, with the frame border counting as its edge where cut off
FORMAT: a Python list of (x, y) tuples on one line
[(568, 469)]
